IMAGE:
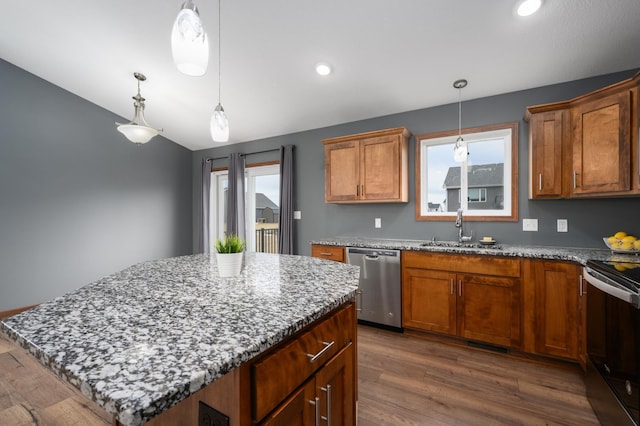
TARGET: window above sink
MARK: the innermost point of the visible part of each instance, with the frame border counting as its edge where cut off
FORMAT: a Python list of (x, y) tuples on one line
[(485, 185)]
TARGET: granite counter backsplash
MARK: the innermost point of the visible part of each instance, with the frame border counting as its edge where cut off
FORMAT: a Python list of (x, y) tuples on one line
[(573, 254), (143, 339)]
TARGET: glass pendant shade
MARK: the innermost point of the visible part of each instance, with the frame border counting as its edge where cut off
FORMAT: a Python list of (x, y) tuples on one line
[(219, 125), (138, 130), (460, 151), (189, 42)]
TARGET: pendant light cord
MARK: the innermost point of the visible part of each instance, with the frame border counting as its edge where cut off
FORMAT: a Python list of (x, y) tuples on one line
[(219, 52), (459, 112)]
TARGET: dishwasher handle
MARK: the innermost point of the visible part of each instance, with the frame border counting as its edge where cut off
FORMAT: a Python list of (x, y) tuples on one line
[(371, 256)]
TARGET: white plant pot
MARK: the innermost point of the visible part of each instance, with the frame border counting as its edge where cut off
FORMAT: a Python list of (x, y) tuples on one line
[(229, 264)]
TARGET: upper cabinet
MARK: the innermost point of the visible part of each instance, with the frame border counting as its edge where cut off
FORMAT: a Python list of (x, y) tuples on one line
[(586, 147), (367, 168)]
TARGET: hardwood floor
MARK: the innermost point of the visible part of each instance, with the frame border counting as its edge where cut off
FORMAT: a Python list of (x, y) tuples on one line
[(403, 380), (409, 380)]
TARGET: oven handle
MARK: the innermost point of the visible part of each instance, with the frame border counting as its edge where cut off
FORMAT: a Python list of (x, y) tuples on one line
[(621, 293)]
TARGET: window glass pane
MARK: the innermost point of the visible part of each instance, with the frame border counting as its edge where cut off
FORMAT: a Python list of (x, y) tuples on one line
[(267, 213), (443, 179), (485, 175)]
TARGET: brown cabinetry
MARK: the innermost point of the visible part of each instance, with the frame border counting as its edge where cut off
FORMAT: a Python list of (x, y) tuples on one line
[(473, 297), (328, 252), (312, 377), (367, 167), (587, 146), (555, 304)]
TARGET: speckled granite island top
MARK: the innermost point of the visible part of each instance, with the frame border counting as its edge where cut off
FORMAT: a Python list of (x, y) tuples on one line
[(143, 339), (573, 254)]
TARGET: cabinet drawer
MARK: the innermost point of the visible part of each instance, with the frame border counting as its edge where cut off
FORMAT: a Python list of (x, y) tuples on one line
[(328, 252), (282, 371), (473, 264)]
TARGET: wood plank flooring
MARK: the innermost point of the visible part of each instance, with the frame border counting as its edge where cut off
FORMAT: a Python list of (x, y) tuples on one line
[(408, 380), (403, 380)]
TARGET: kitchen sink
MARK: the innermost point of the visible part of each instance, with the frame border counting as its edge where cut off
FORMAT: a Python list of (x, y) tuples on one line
[(456, 244)]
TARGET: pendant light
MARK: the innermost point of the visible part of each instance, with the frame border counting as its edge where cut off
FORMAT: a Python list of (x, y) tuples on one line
[(189, 42), (219, 122), (460, 148), (138, 130)]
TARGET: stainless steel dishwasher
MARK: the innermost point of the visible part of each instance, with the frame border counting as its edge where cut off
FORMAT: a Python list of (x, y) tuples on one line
[(381, 294)]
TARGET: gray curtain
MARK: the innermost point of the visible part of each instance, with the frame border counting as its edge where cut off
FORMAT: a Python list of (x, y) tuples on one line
[(203, 243), (285, 236), (235, 196)]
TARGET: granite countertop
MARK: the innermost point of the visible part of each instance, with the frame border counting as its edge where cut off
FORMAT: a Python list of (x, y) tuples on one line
[(143, 339), (573, 254)]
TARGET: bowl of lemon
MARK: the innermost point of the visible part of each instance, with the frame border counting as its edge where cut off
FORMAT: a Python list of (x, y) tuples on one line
[(621, 242)]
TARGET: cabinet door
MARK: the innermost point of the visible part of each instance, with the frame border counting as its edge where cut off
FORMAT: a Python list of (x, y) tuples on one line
[(602, 145), (341, 173), (546, 142), (335, 386), (429, 300), (380, 167), (489, 309), (297, 410), (556, 308)]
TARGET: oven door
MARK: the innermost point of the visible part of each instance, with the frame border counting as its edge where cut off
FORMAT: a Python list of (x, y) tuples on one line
[(613, 337)]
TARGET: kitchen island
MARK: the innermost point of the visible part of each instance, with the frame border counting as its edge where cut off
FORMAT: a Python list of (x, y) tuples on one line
[(147, 338)]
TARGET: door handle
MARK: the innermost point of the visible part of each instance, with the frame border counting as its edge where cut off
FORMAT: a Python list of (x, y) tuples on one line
[(460, 288), (359, 292), (539, 181), (451, 289), (315, 402), (328, 417)]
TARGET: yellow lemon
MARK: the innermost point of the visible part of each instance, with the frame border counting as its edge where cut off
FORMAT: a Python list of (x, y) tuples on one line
[(620, 235), (615, 245), (627, 245), (619, 267), (612, 239), (636, 244)]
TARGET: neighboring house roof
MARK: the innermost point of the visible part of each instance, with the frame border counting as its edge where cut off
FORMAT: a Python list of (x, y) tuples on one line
[(479, 175), (262, 201)]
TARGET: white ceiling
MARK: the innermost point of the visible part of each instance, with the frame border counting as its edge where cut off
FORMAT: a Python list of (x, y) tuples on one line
[(388, 56)]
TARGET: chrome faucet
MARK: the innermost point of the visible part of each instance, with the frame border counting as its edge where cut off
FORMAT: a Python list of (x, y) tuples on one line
[(461, 236)]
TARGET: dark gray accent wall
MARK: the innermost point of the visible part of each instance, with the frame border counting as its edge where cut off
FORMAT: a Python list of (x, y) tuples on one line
[(77, 200), (589, 220)]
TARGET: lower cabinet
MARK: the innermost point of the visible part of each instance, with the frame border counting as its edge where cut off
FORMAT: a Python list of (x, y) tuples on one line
[(310, 380), (326, 398), (555, 309), (473, 297)]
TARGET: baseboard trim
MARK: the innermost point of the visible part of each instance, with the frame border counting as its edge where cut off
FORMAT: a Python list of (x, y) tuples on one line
[(12, 312)]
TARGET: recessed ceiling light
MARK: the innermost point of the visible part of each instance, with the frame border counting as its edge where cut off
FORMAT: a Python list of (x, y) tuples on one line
[(322, 68), (528, 7)]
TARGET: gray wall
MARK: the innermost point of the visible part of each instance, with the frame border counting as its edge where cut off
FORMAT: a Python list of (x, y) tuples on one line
[(588, 219), (77, 200)]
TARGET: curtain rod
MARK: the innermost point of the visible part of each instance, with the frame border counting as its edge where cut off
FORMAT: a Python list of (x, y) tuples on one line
[(244, 155)]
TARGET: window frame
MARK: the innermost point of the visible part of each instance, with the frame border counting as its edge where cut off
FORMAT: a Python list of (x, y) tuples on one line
[(474, 215)]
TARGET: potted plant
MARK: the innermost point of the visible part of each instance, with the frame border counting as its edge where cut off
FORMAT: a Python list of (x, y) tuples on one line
[(229, 251)]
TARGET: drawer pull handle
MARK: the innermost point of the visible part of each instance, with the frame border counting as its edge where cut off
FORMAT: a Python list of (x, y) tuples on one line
[(325, 254), (316, 402), (328, 418), (313, 358)]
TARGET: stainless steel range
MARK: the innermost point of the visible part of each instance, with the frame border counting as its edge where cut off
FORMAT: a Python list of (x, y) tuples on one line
[(613, 340)]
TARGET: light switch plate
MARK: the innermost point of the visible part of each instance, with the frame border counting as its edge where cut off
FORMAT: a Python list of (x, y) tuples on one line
[(297, 214), (378, 222), (530, 225), (563, 225)]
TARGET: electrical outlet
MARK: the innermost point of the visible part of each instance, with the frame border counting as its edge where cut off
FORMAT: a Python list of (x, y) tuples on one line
[(378, 222), (563, 225), (297, 214), (530, 225)]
